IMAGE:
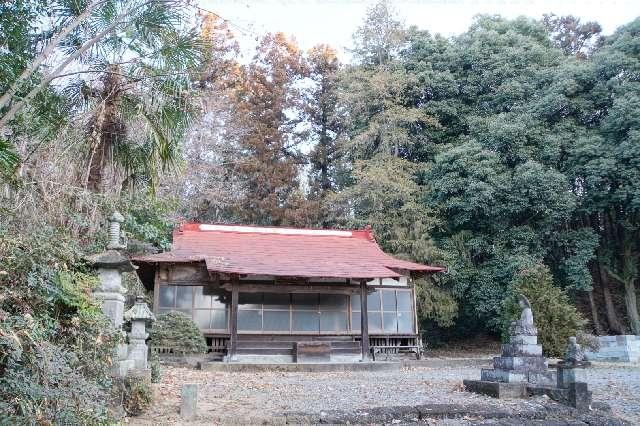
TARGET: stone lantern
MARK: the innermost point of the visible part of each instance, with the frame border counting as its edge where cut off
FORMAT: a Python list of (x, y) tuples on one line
[(139, 315), (110, 265)]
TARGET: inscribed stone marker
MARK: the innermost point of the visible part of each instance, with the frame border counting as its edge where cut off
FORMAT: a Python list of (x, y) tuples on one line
[(189, 401)]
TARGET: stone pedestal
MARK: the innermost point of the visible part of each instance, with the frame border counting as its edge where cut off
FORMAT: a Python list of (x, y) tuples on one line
[(579, 396), (111, 295), (569, 374)]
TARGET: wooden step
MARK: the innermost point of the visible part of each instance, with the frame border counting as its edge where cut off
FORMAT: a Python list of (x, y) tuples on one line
[(264, 351), (345, 345), (259, 344), (346, 351)]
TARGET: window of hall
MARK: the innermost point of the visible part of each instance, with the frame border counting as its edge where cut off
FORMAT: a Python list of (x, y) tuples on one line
[(297, 312), (208, 311), (389, 311)]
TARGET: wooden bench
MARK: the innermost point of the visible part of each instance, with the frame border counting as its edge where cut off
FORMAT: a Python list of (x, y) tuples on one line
[(380, 349)]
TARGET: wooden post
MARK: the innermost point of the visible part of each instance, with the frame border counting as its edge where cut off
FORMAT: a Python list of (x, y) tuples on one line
[(364, 320), (233, 320), (156, 291)]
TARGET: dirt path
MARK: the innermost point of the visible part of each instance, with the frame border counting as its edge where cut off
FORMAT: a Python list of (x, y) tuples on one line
[(269, 397)]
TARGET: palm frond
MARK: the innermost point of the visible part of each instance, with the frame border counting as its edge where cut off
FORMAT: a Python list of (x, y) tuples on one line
[(9, 159)]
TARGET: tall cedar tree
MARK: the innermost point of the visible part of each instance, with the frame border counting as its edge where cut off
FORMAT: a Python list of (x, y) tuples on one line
[(325, 125), (267, 114)]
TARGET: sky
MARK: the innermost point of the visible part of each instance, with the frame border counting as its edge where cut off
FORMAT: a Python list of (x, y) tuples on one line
[(333, 21)]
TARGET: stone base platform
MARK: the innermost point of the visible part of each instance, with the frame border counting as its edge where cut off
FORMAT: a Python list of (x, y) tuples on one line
[(298, 367), (500, 390), (576, 395), (543, 377)]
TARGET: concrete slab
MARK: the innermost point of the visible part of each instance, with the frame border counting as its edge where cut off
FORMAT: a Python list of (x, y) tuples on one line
[(297, 367), (623, 348)]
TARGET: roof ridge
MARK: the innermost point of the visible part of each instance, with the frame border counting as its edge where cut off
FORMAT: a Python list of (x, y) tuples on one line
[(275, 230)]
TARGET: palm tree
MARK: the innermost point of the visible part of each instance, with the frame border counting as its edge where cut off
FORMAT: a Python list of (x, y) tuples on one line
[(142, 109), (132, 61)]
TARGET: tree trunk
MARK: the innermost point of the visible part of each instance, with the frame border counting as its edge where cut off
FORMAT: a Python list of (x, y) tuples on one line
[(612, 317), (632, 305), (594, 315)]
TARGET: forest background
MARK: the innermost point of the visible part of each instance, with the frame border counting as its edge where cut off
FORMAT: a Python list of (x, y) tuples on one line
[(508, 153)]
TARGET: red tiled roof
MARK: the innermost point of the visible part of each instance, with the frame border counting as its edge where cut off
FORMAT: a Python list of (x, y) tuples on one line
[(290, 252)]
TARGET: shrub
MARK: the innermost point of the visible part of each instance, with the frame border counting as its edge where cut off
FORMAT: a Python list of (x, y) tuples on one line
[(178, 331), (554, 315), (56, 346), (137, 395)]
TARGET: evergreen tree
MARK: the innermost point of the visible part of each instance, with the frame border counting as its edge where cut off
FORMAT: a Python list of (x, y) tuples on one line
[(324, 120), (267, 114)]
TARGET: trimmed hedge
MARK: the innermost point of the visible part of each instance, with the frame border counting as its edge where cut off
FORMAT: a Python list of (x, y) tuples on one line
[(178, 331)]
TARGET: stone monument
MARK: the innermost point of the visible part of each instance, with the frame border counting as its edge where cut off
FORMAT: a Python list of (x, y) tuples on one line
[(189, 401), (521, 361)]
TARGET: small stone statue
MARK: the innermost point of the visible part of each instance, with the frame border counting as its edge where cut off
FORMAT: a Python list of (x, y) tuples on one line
[(525, 325), (526, 317), (574, 353)]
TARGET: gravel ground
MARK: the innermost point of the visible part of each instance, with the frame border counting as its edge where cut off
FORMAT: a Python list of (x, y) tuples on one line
[(266, 396)]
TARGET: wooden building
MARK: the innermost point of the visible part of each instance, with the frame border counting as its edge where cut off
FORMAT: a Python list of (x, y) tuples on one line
[(272, 292)]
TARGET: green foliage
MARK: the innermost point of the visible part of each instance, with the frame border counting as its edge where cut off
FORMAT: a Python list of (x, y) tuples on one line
[(150, 220), (56, 346), (137, 395), (8, 158), (435, 304), (178, 331), (554, 315)]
